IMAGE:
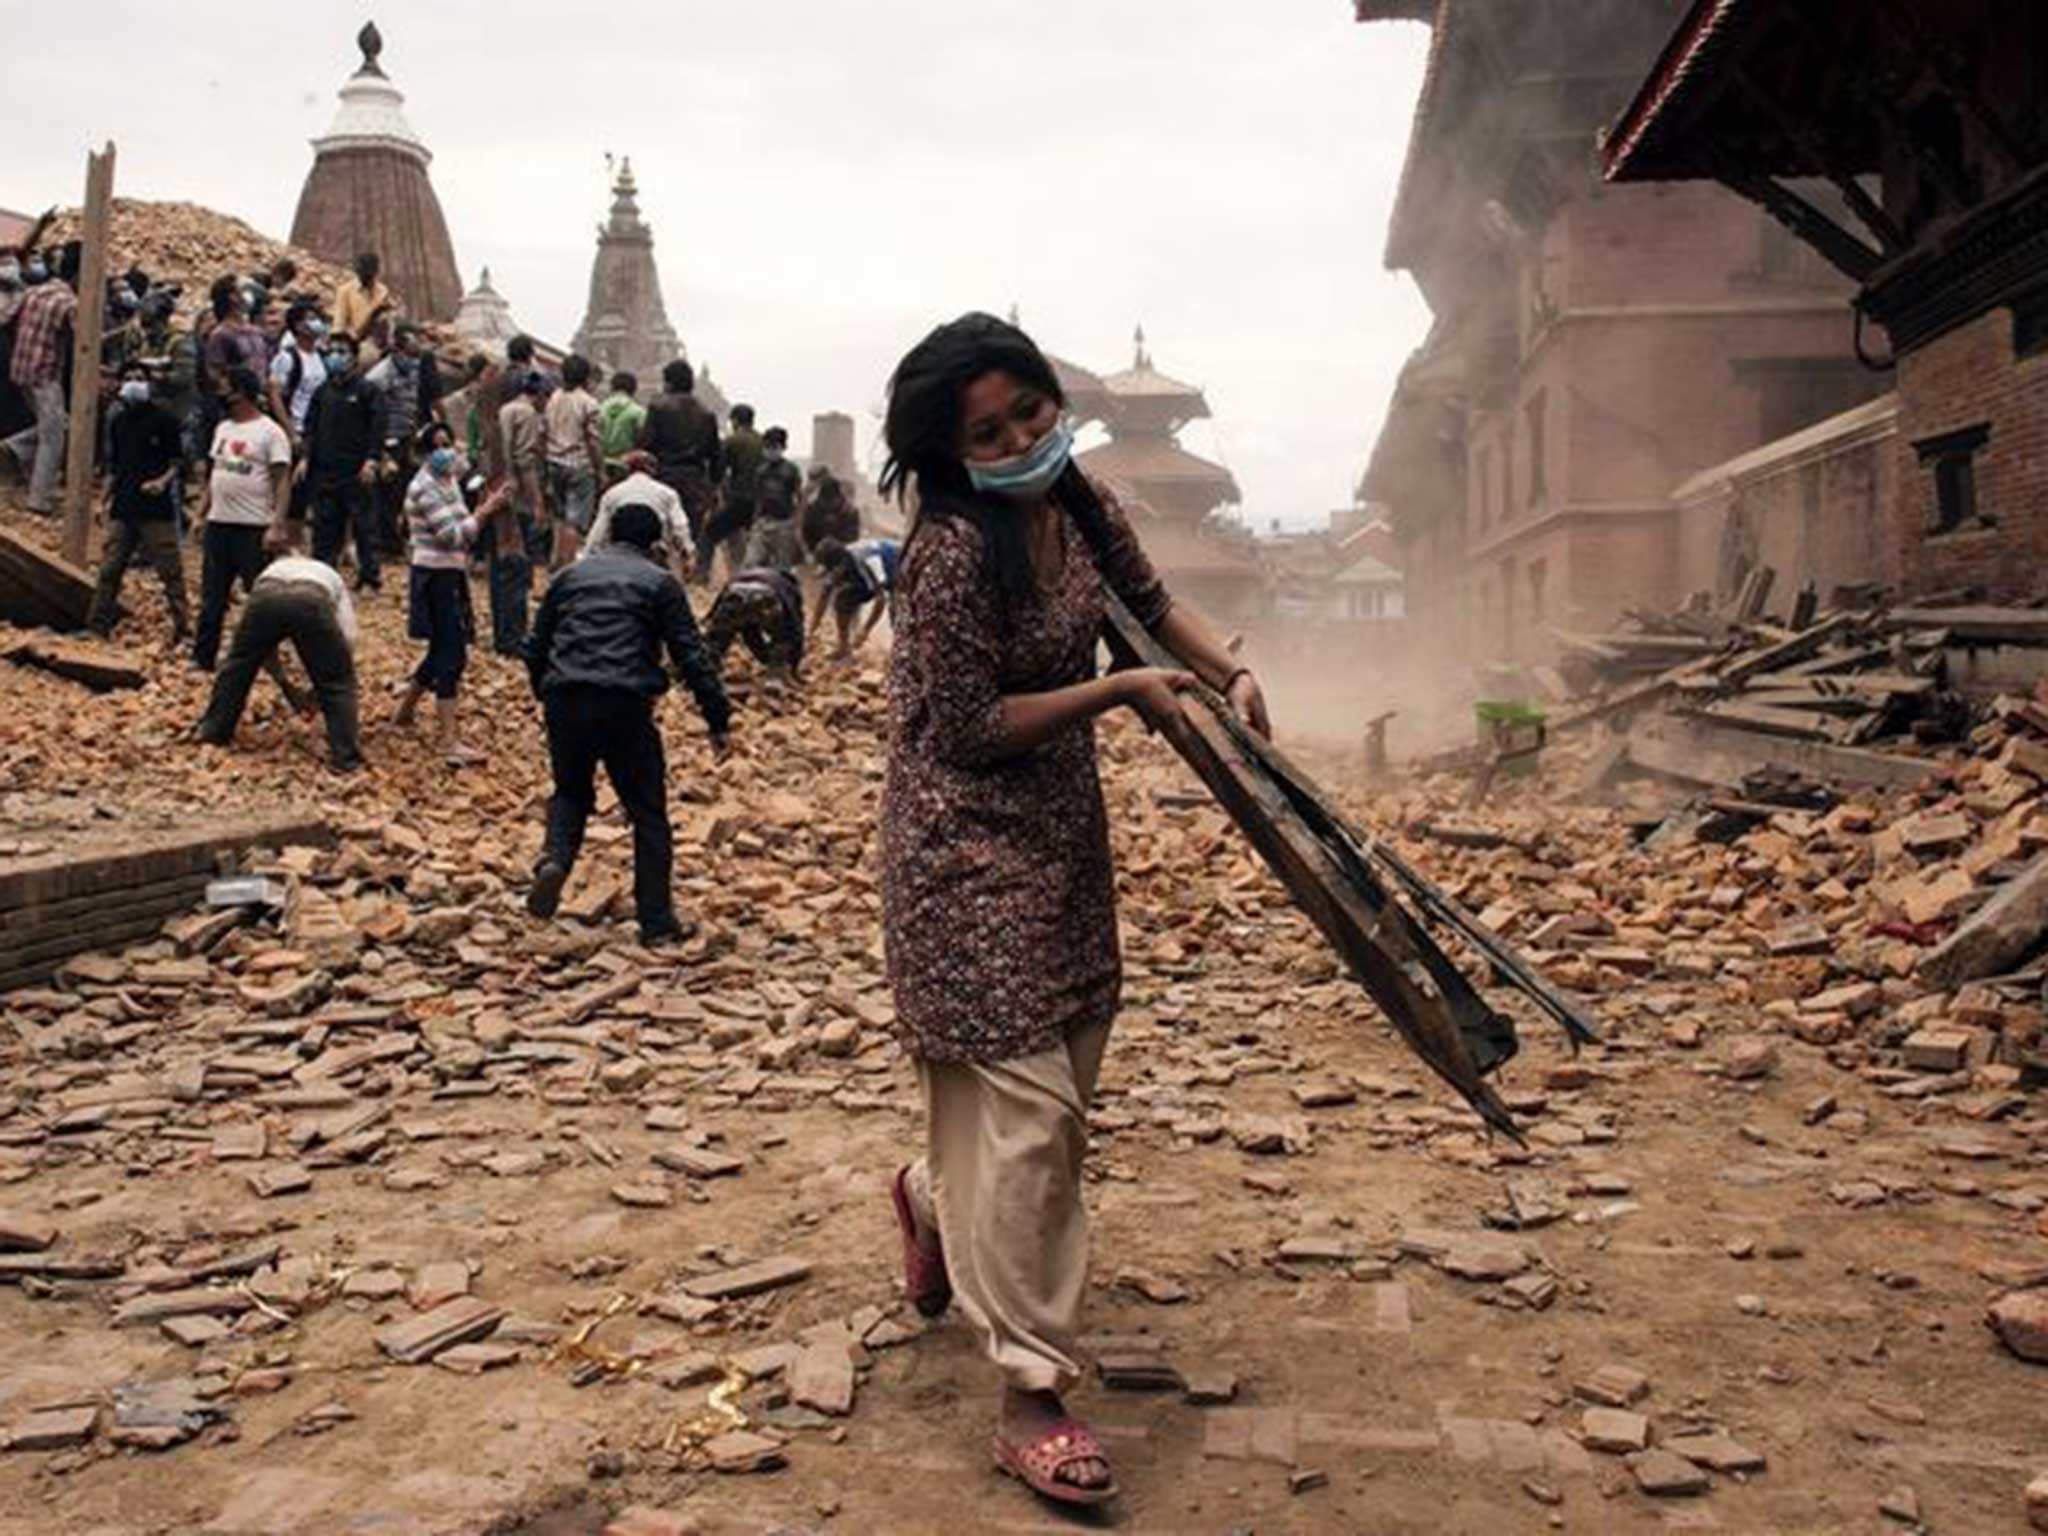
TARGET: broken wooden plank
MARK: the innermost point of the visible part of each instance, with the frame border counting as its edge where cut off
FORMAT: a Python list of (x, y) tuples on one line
[(2000, 933), (1702, 752), (98, 665), (1429, 1002), (1981, 625), (39, 588)]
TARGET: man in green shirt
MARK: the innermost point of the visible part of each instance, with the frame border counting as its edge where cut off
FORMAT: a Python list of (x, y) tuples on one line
[(729, 525), (618, 424)]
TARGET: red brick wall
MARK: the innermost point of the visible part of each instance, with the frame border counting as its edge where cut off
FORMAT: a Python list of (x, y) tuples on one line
[(1959, 380)]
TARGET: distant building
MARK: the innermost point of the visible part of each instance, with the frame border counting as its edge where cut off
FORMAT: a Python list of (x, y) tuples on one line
[(1173, 495), (1906, 147), (368, 191), (626, 324), (1593, 346), (484, 319)]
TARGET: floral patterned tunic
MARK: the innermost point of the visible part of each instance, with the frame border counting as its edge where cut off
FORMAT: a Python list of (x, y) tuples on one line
[(998, 899)]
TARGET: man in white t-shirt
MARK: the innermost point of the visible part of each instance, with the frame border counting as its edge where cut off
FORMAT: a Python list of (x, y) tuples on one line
[(244, 507), (640, 488), (303, 601)]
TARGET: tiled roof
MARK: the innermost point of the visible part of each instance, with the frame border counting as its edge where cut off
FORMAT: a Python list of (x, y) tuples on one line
[(1142, 461), (1682, 69)]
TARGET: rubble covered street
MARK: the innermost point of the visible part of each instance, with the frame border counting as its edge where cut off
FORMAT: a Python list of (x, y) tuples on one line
[(394, 1209)]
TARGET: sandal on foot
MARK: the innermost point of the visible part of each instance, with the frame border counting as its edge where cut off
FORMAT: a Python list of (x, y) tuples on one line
[(924, 1269), (1038, 1464)]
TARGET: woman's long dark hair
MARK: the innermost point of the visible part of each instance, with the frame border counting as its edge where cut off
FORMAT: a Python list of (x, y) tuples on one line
[(923, 433)]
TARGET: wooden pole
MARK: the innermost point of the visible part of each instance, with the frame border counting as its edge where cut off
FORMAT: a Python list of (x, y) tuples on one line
[(85, 354)]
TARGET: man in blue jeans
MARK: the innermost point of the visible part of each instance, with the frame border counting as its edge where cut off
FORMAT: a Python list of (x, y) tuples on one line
[(595, 663)]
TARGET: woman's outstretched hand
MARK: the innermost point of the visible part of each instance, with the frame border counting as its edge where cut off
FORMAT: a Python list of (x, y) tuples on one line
[(1249, 700), (1154, 692)]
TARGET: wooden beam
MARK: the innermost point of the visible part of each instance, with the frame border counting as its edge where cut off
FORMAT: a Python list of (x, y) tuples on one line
[(1801, 132), (1843, 250), (86, 328), (1701, 752), (1983, 625), (1428, 1001), (41, 589)]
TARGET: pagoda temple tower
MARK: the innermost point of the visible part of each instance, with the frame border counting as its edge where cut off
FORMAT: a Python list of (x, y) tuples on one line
[(626, 325), (484, 318), (1145, 411), (1171, 493), (368, 191)]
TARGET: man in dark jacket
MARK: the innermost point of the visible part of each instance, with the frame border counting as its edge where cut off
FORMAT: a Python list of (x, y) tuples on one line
[(145, 452), (340, 462), (683, 437), (595, 661)]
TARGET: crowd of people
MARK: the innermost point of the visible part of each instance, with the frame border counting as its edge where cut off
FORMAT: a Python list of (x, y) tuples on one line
[(309, 442)]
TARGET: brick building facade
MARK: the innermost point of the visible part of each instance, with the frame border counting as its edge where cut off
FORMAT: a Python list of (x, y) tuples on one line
[(1594, 346), (1929, 189)]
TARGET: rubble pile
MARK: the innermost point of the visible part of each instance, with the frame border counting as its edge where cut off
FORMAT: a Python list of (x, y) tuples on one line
[(189, 245)]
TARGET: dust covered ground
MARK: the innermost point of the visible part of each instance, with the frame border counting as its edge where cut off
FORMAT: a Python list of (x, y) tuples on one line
[(1286, 1206)]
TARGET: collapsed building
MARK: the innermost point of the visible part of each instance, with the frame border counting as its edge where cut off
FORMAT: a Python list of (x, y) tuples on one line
[(1594, 345), (1904, 147)]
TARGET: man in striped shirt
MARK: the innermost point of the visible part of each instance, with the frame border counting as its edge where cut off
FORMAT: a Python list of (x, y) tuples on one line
[(42, 327)]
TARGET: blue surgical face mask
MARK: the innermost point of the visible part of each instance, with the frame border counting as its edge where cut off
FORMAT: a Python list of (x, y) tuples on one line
[(442, 462), (339, 363), (1030, 474), (135, 391)]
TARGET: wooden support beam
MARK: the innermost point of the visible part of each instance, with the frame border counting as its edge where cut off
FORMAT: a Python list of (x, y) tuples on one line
[(83, 433), (39, 589), (1701, 752), (1801, 132), (1982, 625), (1843, 250)]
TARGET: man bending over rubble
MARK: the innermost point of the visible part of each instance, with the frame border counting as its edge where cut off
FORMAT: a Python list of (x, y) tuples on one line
[(303, 601), (595, 662)]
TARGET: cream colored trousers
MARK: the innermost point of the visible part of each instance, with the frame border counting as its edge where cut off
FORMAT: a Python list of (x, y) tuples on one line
[(1001, 1182)]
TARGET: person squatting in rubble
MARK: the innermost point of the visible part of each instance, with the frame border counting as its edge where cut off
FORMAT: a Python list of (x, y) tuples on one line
[(763, 608), (595, 664), (854, 579), (441, 532), (145, 455), (303, 601), (998, 896)]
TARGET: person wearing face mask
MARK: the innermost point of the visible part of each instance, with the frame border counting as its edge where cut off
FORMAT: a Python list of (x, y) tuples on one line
[(339, 465), (772, 543), (297, 371), (144, 457), (244, 507), (998, 892), (442, 531)]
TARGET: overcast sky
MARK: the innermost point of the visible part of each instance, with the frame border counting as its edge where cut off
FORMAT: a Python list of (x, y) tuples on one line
[(828, 180)]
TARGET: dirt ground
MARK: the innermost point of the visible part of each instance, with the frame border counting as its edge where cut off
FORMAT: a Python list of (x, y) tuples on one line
[(1811, 1285)]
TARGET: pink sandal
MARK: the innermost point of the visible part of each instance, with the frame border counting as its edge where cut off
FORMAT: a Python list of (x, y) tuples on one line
[(1038, 1465), (924, 1269)]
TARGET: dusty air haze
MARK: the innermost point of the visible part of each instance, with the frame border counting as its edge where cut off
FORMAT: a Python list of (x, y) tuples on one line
[(825, 181)]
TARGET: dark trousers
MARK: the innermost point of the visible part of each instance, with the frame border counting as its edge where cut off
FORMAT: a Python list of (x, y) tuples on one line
[(342, 507), (157, 542), (303, 615), (588, 726), (390, 493), (440, 616), (229, 553), (511, 569), (727, 528)]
